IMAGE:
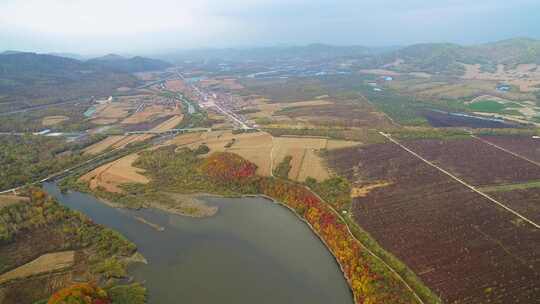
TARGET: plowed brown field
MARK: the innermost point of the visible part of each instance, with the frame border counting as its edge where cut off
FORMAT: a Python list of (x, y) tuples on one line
[(466, 249)]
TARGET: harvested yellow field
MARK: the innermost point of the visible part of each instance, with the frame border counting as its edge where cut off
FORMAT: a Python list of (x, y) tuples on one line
[(110, 176), (306, 161), (10, 199), (113, 110), (304, 157), (53, 120), (150, 113), (46, 263), (254, 147), (120, 141), (103, 144), (185, 139), (104, 121), (131, 139), (267, 152), (146, 115), (169, 124), (269, 109)]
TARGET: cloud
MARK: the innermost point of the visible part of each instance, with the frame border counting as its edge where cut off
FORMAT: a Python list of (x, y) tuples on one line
[(137, 24)]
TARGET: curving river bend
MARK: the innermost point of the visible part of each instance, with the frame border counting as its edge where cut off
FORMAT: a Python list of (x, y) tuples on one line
[(252, 251)]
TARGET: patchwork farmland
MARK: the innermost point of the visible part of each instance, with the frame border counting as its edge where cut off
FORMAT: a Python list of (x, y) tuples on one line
[(464, 247)]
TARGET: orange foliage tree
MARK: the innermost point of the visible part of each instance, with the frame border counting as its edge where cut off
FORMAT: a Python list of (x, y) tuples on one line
[(367, 285), (228, 167), (80, 294)]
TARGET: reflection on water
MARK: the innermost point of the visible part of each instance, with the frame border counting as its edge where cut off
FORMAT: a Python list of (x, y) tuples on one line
[(252, 251)]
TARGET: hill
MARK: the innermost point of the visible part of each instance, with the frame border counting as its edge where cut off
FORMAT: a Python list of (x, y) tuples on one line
[(68, 55), (308, 52), (10, 52), (511, 51), (120, 64), (445, 58), (28, 79)]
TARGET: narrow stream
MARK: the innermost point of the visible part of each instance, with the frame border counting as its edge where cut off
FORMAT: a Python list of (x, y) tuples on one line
[(252, 251)]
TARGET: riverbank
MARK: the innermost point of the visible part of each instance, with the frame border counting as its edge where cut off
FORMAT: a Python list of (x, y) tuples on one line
[(194, 255), (45, 247), (371, 276)]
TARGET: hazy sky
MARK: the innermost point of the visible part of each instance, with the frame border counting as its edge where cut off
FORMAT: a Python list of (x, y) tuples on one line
[(94, 26)]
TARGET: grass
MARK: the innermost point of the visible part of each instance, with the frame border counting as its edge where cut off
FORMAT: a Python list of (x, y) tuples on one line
[(491, 106), (510, 187), (430, 133)]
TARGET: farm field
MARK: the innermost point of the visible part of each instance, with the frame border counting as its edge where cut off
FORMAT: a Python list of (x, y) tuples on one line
[(526, 146), (46, 263), (524, 201), (476, 162), (339, 114), (10, 199), (439, 119), (150, 113), (267, 152), (112, 112), (110, 176), (103, 145), (53, 120), (465, 248)]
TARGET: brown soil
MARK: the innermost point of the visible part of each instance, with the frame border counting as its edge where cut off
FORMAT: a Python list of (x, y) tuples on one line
[(464, 248), (476, 162)]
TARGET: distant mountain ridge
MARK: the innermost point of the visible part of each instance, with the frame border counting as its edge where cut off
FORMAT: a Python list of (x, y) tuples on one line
[(27, 78), (121, 64), (447, 57), (315, 51)]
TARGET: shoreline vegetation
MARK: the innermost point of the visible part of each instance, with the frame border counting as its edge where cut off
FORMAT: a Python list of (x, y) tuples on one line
[(40, 229), (373, 275)]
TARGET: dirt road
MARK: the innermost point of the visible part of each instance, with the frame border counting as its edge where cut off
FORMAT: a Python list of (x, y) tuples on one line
[(461, 181)]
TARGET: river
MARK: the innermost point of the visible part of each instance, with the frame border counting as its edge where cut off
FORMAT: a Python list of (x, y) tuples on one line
[(252, 251)]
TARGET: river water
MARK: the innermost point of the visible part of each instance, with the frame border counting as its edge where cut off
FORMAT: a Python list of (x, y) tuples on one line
[(252, 251)]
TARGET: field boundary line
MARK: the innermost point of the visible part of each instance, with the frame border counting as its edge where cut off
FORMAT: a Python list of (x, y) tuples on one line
[(506, 150), (460, 181)]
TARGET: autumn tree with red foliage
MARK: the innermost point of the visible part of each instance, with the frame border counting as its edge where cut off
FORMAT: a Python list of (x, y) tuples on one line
[(228, 167), (80, 294), (367, 285)]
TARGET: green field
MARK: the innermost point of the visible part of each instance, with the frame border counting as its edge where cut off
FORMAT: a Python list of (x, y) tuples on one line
[(491, 106), (510, 187)]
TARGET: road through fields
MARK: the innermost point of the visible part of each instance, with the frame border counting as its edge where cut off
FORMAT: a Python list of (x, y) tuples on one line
[(389, 137)]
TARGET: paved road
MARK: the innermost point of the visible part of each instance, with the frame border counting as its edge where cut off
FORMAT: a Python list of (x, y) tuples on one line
[(60, 172), (389, 137)]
